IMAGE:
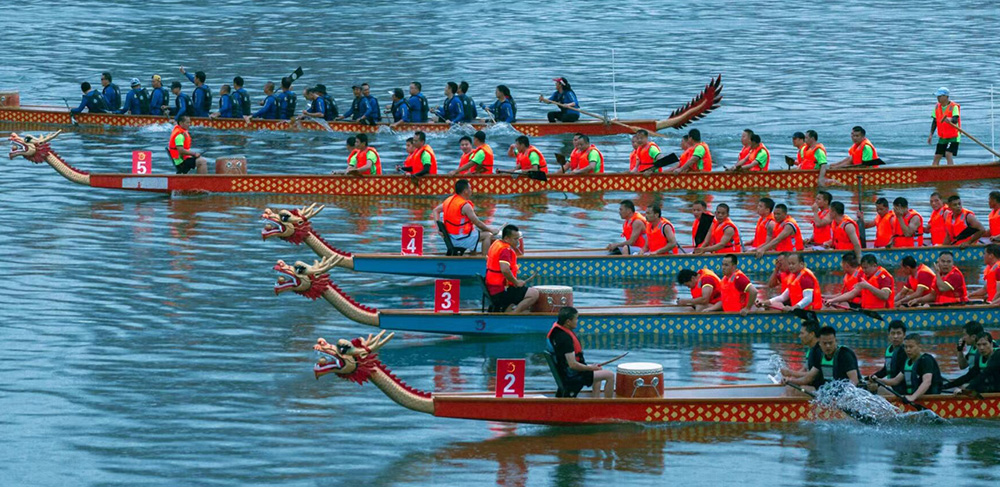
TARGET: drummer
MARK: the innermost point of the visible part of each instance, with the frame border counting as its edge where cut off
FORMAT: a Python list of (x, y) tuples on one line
[(834, 363), (505, 288), (633, 231), (570, 364)]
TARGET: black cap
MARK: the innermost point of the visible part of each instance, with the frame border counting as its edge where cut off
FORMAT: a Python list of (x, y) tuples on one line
[(175, 84), (320, 89)]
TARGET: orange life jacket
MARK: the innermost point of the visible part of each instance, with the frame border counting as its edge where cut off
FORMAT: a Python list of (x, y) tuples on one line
[(753, 157), (579, 159), (901, 241), (694, 229), (956, 224), (914, 281), (454, 221), (851, 279), (633, 160), (957, 295), (487, 165), (793, 242), (363, 159), (760, 234), (840, 238), (718, 231), (645, 160), (574, 159), (524, 160), (809, 156), (857, 151), (989, 277), (795, 291), (868, 298), (705, 164), (946, 130), (655, 235), (353, 155), (627, 229), (413, 161), (785, 279), (686, 155), (744, 152), (707, 277), (995, 222), (823, 234), (733, 299), (577, 348), (884, 228), (172, 145), (494, 276), (938, 230)]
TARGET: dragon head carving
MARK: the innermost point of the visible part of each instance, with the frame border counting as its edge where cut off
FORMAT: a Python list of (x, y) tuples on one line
[(290, 225), (307, 280), (33, 148), (353, 360)]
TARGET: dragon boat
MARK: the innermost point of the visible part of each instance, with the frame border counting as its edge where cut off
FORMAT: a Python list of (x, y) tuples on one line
[(358, 361), (39, 149), (295, 226), (698, 107), (313, 282)]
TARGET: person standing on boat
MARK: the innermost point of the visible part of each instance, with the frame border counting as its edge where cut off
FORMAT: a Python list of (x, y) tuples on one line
[(787, 234), (92, 100), (422, 161), (464, 228), (633, 231), (202, 95), (647, 153), (468, 104), (984, 371), (946, 122), (112, 95), (703, 220), (480, 157), (909, 228), (269, 110), (574, 371), (502, 284), (935, 224), (853, 274), (700, 159), (366, 161), (399, 109), (764, 229), (759, 158), (809, 336), (184, 157), (419, 107), (504, 109), (846, 233), (136, 100), (835, 362), (884, 223), (452, 110), (226, 105), (527, 156), (920, 280), (286, 100), (182, 102), (738, 292), (991, 276), (803, 288), (894, 355), (861, 152), (919, 374), (586, 157), (660, 236), (961, 226), (724, 236), (706, 289), (564, 94), (822, 220), (159, 98)]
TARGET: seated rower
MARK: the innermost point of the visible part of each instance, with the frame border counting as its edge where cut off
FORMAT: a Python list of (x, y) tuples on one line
[(884, 223), (647, 152), (908, 230), (919, 374), (317, 109), (660, 236), (359, 106), (780, 276), (570, 365), (182, 102), (706, 289), (877, 289), (240, 99), (269, 109), (159, 98), (687, 149), (284, 101), (504, 109), (803, 288), (724, 237), (585, 158), (468, 104), (738, 293), (528, 158), (894, 355), (862, 151), (765, 227), (371, 114), (799, 142), (920, 280), (759, 158), (835, 362), (846, 233), (92, 100), (422, 161), (822, 220), (112, 95), (991, 276), (935, 224), (184, 157), (809, 336), (633, 231), (565, 95), (367, 161), (352, 153), (633, 157), (984, 372), (961, 226), (464, 228), (502, 284), (225, 103), (853, 274), (994, 216), (949, 286), (702, 224), (202, 94), (400, 109), (419, 107), (787, 234), (744, 157), (465, 145), (136, 100), (452, 111), (699, 158), (967, 352), (814, 156), (479, 159)]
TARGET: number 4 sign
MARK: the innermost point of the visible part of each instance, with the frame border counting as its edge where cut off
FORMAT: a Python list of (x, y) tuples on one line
[(446, 295), (510, 377), (412, 242)]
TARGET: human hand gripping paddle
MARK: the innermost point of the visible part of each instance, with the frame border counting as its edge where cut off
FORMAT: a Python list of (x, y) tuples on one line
[(918, 407), (71, 117), (533, 174), (599, 117), (867, 312)]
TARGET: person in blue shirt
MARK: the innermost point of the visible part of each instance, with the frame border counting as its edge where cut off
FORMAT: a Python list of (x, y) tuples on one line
[(452, 111), (504, 109), (112, 95), (227, 106), (286, 100), (317, 107), (92, 100), (330, 110), (241, 99), (564, 94), (137, 100), (371, 116), (182, 102), (418, 104), (202, 95), (356, 109), (468, 104), (270, 109), (400, 110), (159, 99)]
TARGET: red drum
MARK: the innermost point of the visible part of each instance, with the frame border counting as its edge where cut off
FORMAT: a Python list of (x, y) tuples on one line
[(639, 379), (551, 298), (10, 99), (231, 165)]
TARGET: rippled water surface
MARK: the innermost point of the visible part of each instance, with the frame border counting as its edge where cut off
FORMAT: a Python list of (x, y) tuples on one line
[(142, 342)]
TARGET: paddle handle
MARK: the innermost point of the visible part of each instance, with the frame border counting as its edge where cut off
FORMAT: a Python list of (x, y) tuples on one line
[(862, 233), (599, 117), (984, 146), (900, 396)]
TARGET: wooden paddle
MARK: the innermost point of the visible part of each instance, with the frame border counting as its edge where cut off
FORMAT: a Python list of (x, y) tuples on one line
[(963, 132), (599, 117), (71, 117), (665, 161), (867, 312), (606, 362), (850, 412), (918, 407), (862, 233), (536, 175), (790, 162)]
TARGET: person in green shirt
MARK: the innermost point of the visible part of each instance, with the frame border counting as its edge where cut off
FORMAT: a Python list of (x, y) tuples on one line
[(944, 124), (370, 163), (594, 162), (758, 157)]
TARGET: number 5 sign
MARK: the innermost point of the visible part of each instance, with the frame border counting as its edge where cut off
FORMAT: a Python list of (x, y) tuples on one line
[(142, 162), (510, 377), (446, 295), (413, 240)]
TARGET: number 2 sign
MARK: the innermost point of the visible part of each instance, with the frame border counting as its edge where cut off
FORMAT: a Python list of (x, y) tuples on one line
[(412, 242), (510, 377), (446, 295)]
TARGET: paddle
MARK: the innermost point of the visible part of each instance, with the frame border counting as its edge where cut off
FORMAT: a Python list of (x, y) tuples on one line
[(322, 121), (536, 175), (984, 146), (296, 74), (599, 117), (606, 362), (666, 160), (867, 312), (861, 418), (71, 117), (862, 233), (561, 160), (790, 161), (918, 407), (872, 163), (493, 119)]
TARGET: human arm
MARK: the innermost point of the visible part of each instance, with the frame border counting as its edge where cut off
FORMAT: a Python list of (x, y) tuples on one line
[(509, 275), (881, 293), (455, 110), (974, 223), (506, 113), (471, 215), (268, 106), (577, 366), (366, 165), (83, 104), (978, 383), (671, 237), (182, 108), (805, 379), (706, 296), (727, 236), (845, 297), (128, 103), (786, 231)]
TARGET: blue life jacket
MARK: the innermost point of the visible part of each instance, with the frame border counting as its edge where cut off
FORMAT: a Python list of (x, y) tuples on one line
[(113, 97)]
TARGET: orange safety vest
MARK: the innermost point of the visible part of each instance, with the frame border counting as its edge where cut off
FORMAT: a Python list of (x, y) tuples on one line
[(753, 157), (957, 295), (795, 291), (785, 280), (760, 234), (901, 241), (707, 277), (363, 159), (494, 277), (172, 145), (577, 348), (686, 155), (633, 160), (884, 228), (586, 154), (627, 229), (989, 277), (454, 221), (956, 224), (413, 161), (809, 156), (937, 225), (645, 160), (851, 280), (718, 231), (705, 164), (857, 150), (694, 229), (946, 130), (487, 164), (793, 242), (733, 299), (524, 160), (574, 159), (840, 239), (745, 151), (655, 235), (995, 222), (913, 281), (823, 234), (868, 299)]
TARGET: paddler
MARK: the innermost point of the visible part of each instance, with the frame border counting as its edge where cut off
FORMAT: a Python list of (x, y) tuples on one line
[(502, 284), (846, 235), (480, 159), (504, 109), (950, 283), (633, 231), (700, 159), (702, 224), (586, 157), (457, 212), (687, 149), (352, 153), (399, 109), (564, 94), (920, 280), (759, 157), (822, 221), (182, 102), (738, 292), (367, 161), (744, 157), (884, 223), (961, 226), (136, 100), (908, 230), (853, 274), (563, 344), (660, 236), (799, 142), (966, 352), (813, 154), (418, 104), (202, 94), (159, 98), (894, 355), (946, 119), (633, 157), (809, 336), (112, 95), (92, 100), (724, 237), (422, 161), (835, 362), (861, 152), (787, 234), (803, 288), (984, 373), (358, 106), (877, 290), (286, 100), (371, 114), (179, 146), (465, 145), (764, 230), (269, 110), (706, 289), (317, 109), (936, 225), (527, 156), (919, 374), (994, 217), (240, 99), (226, 105), (991, 276), (780, 276), (468, 104), (647, 152), (452, 110)]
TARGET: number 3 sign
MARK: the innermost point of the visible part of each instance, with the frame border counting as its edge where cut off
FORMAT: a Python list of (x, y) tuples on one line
[(446, 295), (510, 377)]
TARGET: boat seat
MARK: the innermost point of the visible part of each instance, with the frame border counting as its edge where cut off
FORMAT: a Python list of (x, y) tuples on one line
[(560, 389), (452, 250), (487, 305)]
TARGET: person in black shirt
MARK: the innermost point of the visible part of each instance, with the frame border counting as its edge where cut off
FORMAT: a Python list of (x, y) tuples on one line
[(570, 364), (919, 374), (834, 363), (809, 336), (984, 372), (894, 354)]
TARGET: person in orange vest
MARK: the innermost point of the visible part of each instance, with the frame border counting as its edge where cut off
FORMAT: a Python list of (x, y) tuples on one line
[(884, 223), (633, 157), (465, 145), (466, 230), (950, 281), (700, 159), (528, 157), (574, 371), (759, 158), (366, 161), (706, 289), (787, 235), (846, 233), (936, 225), (703, 220), (946, 119), (920, 280), (179, 146), (994, 218), (744, 157), (633, 231), (660, 236), (961, 226), (724, 237), (478, 159), (861, 152), (352, 153), (766, 225), (738, 293), (586, 158), (908, 230), (647, 153), (780, 277), (799, 142), (803, 290), (822, 222), (991, 276), (502, 284), (422, 161), (853, 274), (877, 289)]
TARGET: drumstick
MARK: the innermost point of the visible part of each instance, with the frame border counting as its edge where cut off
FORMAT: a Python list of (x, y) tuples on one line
[(606, 362), (532, 276)]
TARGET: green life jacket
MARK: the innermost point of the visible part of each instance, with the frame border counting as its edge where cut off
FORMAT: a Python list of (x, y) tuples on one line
[(828, 366)]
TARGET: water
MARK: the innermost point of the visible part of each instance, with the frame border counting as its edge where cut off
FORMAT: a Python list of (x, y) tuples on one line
[(143, 343)]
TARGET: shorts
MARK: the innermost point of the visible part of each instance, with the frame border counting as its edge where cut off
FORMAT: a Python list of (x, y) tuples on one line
[(467, 242), (186, 166), (575, 381), (509, 296), (947, 147)]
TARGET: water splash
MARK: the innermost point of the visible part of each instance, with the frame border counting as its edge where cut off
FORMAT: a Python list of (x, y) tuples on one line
[(855, 401), (773, 368)]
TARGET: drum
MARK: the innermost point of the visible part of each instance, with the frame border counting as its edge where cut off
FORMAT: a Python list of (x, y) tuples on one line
[(639, 379), (10, 99), (231, 165), (551, 298)]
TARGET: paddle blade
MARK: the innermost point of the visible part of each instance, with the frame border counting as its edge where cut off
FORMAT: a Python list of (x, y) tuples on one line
[(790, 161), (873, 162), (666, 160), (538, 176), (805, 314), (297, 73), (561, 159)]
